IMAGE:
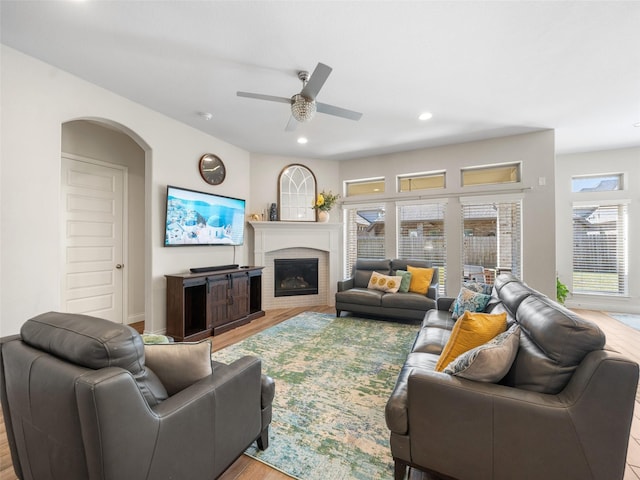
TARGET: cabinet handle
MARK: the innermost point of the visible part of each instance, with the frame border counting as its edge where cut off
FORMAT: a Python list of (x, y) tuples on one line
[(119, 266)]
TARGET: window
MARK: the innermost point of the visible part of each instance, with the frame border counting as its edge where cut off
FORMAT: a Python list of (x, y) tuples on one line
[(600, 249), (421, 236), (364, 187), (364, 234), (492, 240), (424, 181), (596, 183), (491, 175)]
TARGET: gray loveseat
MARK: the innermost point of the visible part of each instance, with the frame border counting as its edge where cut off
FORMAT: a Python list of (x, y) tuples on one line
[(563, 411), (354, 296)]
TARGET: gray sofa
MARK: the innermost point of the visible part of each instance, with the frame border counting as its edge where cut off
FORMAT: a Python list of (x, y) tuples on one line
[(563, 411), (354, 296), (80, 403)]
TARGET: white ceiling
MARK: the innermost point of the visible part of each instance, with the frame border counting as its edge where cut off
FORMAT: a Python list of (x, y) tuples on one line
[(484, 69)]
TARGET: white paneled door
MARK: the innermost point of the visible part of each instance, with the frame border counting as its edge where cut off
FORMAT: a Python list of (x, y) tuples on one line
[(92, 211)]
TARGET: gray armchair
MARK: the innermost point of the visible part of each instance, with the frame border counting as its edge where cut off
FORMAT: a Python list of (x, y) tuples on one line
[(79, 403)]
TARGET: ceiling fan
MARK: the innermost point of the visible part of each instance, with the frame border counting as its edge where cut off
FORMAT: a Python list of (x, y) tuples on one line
[(303, 104)]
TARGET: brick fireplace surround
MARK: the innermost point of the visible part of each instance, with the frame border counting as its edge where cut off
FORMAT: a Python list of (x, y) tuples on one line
[(298, 240)]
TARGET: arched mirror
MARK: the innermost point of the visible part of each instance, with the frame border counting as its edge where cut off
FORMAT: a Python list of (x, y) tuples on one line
[(297, 192)]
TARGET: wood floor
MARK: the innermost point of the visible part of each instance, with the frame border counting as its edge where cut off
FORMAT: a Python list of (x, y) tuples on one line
[(620, 337)]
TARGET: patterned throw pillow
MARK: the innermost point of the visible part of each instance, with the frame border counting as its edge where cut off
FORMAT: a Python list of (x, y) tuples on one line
[(479, 287), (489, 362), (406, 280), (470, 331), (468, 300), (385, 283)]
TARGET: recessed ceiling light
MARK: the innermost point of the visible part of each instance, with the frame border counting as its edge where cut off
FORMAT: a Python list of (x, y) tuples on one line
[(302, 140), (425, 116), (637, 124), (206, 115)]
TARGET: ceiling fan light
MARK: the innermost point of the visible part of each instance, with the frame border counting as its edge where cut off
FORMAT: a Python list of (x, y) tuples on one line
[(302, 108)]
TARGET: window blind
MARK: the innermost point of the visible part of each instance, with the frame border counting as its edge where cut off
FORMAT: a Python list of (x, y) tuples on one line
[(364, 232), (421, 236), (600, 249), (492, 239)]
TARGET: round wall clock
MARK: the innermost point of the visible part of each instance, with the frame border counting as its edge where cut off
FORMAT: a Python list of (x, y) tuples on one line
[(212, 169)]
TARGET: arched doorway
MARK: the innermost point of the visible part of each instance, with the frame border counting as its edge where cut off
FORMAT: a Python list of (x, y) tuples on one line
[(103, 213)]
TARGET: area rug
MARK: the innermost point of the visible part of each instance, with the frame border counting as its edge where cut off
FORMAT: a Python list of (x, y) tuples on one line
[(333, 378), (629, 319)]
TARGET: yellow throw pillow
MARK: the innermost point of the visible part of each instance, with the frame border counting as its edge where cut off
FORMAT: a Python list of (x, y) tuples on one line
[(471, 330), (385, 283), (420, 279)]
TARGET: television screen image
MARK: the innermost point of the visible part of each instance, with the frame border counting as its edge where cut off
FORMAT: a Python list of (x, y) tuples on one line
[(199, 218)]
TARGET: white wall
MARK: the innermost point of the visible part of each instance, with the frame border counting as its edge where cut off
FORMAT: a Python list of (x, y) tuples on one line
[(37, 99), (626, 161), (535, 152)]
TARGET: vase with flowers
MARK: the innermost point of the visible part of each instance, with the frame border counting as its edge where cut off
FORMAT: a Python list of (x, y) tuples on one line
[(324, 203)]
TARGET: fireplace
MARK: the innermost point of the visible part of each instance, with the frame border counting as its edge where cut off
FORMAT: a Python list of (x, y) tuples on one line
[(295, 276)]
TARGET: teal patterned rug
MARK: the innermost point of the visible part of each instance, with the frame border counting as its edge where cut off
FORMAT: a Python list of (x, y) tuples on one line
[(333, 378)]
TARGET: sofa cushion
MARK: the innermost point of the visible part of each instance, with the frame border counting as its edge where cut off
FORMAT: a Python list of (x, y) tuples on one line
[(179, 365), (410, 301), (420, 279), (406, 280), (438, 319), (553, 342), (489, 362), (431, 340), (384, 283), (360, 296), (468, 300), (471, 330), (364, 267), (512, 291)]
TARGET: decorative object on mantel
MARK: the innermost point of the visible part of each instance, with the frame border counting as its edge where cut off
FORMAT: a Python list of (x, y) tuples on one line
[(324, 203), (296, 190), (273, 212)]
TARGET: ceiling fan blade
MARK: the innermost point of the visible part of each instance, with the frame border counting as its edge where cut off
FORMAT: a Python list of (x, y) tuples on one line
[(316, 81), (292, 125), (337, 111), (259, 96)]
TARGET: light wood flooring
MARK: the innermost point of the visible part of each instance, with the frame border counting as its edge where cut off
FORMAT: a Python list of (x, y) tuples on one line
[(620, 337)]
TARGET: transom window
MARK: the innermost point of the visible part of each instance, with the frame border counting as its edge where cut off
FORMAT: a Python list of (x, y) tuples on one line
[(491, 175), (421, 181), (596, 183), (364, 187)]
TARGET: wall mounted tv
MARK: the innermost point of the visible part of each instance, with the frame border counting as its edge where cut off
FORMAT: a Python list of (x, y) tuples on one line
[(199, 218)]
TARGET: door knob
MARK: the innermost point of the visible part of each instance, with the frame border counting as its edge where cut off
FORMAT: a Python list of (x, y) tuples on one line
[(119, 266)]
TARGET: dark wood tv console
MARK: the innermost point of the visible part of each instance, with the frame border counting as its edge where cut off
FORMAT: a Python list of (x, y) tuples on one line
[(203, 304)]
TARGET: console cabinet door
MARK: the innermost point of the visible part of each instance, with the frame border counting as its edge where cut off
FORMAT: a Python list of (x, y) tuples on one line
[(238, 296), (217, 299)]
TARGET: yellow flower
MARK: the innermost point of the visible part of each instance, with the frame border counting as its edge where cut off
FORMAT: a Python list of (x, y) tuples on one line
[(320, 200)]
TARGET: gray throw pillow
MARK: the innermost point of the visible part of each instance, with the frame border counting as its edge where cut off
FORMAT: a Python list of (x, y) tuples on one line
[(489, 362)]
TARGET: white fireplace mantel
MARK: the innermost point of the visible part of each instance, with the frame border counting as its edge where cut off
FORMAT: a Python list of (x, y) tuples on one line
[(274, 236)]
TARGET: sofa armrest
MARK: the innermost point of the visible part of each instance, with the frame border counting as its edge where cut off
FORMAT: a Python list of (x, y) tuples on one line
[(503, 431), (433, 291), (345, 284), (444, 303)]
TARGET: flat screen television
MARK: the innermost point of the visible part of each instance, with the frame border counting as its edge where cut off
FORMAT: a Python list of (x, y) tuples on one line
[(199, 218)]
